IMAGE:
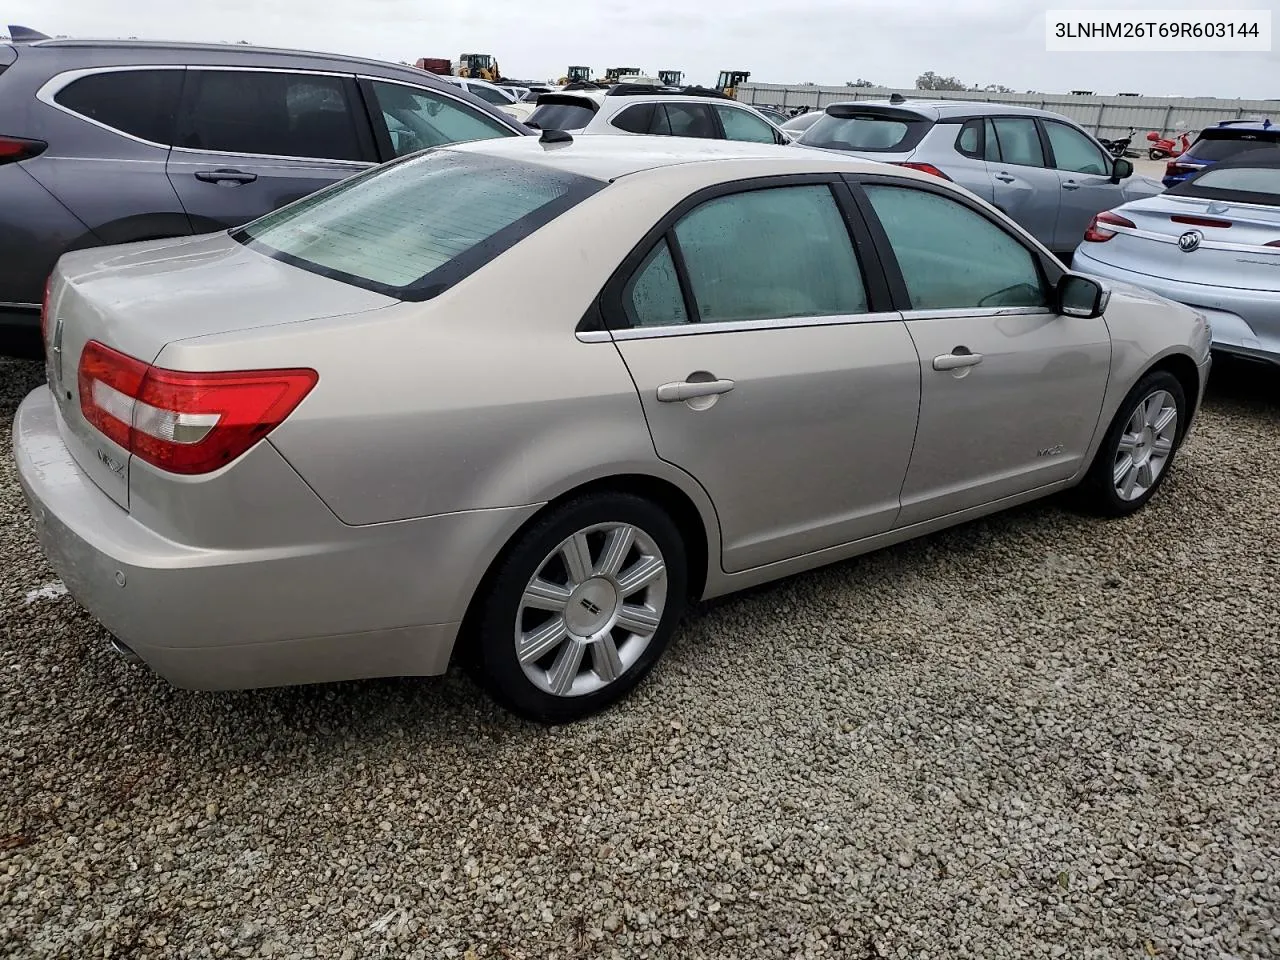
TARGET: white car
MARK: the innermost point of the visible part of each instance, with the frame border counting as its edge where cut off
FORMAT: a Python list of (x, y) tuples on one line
[(505, 99), (630, 109)]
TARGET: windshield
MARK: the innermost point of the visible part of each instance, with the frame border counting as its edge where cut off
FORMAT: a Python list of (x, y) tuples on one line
[(412, 228), (562, 115), (864, 133), (1215, 145)]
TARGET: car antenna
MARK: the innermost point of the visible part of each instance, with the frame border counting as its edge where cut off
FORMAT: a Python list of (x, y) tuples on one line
[(555, 136), (897, 98)]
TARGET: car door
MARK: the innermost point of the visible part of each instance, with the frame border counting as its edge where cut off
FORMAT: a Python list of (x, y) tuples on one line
[(250, 141), (407, 118), (1022, 184), (1011, 391), (1084, 177), (769, 367)]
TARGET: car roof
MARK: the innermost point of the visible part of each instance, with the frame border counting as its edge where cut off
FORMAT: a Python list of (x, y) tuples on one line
[(1248, 126), (943, 109), (608, 157)]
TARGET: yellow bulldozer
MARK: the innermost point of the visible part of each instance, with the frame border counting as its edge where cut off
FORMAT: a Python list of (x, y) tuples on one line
[(612, 74), (478, 66), (576, 75), (729, 80)]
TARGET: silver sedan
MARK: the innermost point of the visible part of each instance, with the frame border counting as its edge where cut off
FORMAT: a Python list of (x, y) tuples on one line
[(518, 402)]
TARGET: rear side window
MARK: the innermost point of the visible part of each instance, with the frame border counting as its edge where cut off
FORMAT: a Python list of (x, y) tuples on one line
[(142, 103), (414, 227), (1215, 145), (868, 132), (652, 297), (635, 119), (690, 120), (1019, 141), (269, 113), (969, 139), (952, 257), (568, 114)]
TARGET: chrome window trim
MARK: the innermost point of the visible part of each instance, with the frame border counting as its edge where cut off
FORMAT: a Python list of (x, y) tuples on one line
[(956, 313), (18, 304), (60, 81), (737, 326)]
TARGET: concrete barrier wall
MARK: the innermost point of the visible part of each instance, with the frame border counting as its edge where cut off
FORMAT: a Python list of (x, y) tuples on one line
[(1102, 116)]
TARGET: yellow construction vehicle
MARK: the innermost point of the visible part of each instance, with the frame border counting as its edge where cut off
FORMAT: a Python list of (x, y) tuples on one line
[(478, 66), (671, 78), (576, 75), (612, 74), (729, 80)]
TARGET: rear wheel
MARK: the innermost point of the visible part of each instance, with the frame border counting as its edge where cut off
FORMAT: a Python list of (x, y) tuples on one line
[(1139, 448), (581, 608)]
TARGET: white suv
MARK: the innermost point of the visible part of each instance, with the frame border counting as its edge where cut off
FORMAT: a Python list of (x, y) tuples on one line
[(632, 108)]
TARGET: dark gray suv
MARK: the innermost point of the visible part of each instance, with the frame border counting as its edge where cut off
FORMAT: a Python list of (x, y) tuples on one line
[(115, 141)]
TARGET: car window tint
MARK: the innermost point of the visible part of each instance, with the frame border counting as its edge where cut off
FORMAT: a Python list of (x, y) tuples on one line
[(562, 114), (1214, 145), (652, 297), (766, 254), (991, 144), (969, 140), (1073, 151), (275, 114), (691, 120), (660, 126), (635, 119), (832, 132), (1019, 141), (740, 125), (417, 118), (952, 257), (488, 94), (143, 103)]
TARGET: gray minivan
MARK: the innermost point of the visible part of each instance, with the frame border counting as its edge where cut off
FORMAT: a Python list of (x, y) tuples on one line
[(107, 142)]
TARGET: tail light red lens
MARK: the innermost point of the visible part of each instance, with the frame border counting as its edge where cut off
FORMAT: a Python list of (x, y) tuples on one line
[(1273, 243), (1173, 169), (1097, 231), (1201, 221), (180, 422), (13, 149), (928, 168)]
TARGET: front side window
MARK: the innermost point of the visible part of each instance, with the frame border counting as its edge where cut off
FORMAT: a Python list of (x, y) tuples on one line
[(952, 257), (143, 103), (1073, 151), (268, 113), (417, 119), (770, 254), (1019, 141), (740, 125), (409, 228)]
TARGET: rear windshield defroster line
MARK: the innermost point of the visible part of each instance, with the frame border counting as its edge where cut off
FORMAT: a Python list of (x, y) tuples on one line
[(412, 228)]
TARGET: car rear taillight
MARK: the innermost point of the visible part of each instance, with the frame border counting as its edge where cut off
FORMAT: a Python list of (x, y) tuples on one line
[(1273, 243), (1201, 221), (1097, 231), (1176, 169), (928, 168), (183, 422), (44, 310), (13, 149)]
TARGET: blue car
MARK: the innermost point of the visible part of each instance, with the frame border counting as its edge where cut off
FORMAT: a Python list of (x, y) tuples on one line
[(1221, 142)]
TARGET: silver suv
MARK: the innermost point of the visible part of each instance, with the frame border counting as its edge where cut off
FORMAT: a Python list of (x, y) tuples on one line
[(114, 141), (1038, 167)]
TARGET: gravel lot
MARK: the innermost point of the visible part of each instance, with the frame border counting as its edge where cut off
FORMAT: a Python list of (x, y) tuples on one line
[(1034, 736)]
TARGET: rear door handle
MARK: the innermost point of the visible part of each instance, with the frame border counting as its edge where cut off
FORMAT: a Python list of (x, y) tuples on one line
[(692, 389), (225, 176), (954, 361), (1004, 178), (1071, 185)]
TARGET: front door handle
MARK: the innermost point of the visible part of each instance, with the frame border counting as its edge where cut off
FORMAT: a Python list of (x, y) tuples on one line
[(1071, 185), (692, 389), (954, 361), (225, 176), (1004, 178)]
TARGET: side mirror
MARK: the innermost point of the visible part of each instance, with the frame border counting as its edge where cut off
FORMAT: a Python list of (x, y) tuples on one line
[(1081, 296), (1122, 169)]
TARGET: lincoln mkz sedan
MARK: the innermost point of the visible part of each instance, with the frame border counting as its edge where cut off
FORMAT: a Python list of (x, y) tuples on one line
[(365, 436)]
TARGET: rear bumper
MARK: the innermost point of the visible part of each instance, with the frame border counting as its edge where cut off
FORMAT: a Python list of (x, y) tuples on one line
[(359, 602), (1244, 322)]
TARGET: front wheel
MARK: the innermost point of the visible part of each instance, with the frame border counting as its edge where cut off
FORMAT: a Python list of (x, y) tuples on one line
[(582, 607), (1154, 154), (1139, 447)]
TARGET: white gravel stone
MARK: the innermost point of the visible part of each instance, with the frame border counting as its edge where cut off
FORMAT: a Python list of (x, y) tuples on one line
[(1033, 736)]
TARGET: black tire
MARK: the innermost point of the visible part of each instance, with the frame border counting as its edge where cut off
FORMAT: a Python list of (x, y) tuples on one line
[(1154, 154), (1097, 494), (493, 658)]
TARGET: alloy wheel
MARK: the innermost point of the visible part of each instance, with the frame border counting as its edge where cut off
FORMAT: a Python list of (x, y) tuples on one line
[(1145, 445), (591, 609)]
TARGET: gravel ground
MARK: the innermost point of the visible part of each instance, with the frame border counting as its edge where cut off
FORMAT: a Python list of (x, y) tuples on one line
[(1035, 736)]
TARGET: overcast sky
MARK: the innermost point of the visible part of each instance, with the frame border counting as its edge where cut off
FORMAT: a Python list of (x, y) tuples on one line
[(779, 41)]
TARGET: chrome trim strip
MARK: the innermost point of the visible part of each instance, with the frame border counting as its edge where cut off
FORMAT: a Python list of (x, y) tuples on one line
[(594, 336), (19, 305), (199, 151), (515, 125), (957, 313), (1205, 244), (58, 82), (745, 326)]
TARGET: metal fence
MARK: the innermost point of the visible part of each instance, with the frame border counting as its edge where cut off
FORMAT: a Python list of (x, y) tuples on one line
[(1103, 116)]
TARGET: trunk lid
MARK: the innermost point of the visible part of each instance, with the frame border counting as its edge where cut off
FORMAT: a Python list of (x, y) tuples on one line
[(1231, 250), (136, 298)]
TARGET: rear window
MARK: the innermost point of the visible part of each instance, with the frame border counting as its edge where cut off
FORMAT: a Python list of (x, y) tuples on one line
[(142, 103), (1234, 183), (567, 114), (866, 132), (1215, 145), (414, 227)]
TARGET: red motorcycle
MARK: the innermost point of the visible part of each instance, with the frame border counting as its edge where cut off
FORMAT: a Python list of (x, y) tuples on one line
[(1162, 147)]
